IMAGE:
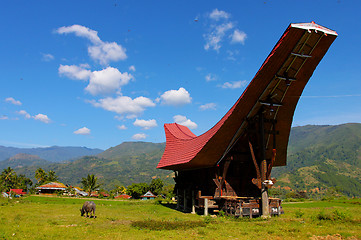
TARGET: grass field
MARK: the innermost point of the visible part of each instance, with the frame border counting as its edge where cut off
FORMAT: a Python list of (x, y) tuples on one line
[(44, 217)]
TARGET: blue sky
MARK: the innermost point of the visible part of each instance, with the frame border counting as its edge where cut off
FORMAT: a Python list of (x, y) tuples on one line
[(98, 73)]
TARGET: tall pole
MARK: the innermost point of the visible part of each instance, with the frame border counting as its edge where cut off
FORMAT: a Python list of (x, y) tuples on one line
[(264, 191)]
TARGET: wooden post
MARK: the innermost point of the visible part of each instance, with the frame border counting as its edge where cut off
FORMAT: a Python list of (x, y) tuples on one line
[(264, 191), (193, 203), (206, 207), (185, 200), (178, 199)]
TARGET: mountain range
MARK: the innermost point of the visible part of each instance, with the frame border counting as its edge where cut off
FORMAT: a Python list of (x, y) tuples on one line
[(319, 157)]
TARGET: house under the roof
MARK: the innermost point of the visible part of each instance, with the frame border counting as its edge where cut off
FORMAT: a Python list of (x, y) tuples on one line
[(233, 160), (51, 188)]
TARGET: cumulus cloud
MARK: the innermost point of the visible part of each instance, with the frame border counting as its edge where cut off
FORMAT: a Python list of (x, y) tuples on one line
[(100, 51), (238, 37), (74, 72), (122, 127), (208, 106), (24, 113), (132, 68), (42, 117), (236, 84), (139, 136), (175, 97), (214, 38), (82, 131), (124, 104), (145, 124), (210, 77), (47, 57), (217, 15), (182, 120), (219, 29), (106, 81), (13, 101)]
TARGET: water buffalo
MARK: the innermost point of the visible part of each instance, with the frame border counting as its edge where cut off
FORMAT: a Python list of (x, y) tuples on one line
[(88, 208)]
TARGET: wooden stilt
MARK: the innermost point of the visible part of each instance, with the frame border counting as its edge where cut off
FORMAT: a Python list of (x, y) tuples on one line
[(206, 207), (193, 203), (185, 200)]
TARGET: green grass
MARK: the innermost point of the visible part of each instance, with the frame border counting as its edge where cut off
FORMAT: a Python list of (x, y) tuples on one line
[(39, 217)]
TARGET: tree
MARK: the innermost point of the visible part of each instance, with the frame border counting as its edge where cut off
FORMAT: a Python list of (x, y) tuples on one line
[(44, 177), (9, 180), (137, 189), (40, 175), (51, 176), (90, 183), (156, 186)]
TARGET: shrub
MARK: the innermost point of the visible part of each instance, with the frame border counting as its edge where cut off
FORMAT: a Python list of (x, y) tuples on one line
[(299, 213)]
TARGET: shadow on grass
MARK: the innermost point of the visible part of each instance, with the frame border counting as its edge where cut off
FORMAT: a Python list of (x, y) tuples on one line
[(160, 225)]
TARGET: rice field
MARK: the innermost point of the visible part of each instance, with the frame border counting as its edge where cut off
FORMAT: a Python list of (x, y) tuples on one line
[(52, 217)]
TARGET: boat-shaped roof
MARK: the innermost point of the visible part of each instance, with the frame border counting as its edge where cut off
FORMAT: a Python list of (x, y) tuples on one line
[(297, 54)]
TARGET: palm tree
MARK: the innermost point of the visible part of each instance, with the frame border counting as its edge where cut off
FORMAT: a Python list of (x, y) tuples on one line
[(52, 176), (90, 183), (40, 175), (8, 178)]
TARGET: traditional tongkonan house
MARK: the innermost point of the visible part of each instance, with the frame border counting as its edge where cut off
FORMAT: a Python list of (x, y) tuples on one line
[(229, 167)]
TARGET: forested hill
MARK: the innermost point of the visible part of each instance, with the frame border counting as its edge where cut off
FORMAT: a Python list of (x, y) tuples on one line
[(52, 154), (323, 157), (127, 163), (318, 157)]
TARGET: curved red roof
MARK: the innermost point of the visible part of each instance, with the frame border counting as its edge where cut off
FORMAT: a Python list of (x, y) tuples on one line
[(185, 150)]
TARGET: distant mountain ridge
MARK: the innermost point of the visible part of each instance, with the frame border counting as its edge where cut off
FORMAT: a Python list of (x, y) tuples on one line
[(23, 160), (318, 157), (323, 157), (52, 154)]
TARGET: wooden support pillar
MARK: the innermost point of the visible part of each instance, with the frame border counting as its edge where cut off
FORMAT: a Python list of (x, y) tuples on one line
[(185, 200), (178, 199), (206, 207), (264, 190), (193, 203)]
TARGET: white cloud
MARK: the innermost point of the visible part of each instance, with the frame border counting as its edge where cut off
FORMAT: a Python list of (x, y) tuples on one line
[(233, 85), (82, 131), (100, 51), (217, 15), (47, 57), (24, 113), (176, 97), (4, 117), (210, 77), (145, 124), (215, 37), (122, 127), (124, 104), (132, 68), (75, 72), (81, 31), (208, 106), (107, 81), (139, 136), (13, 101), (182, 120), (42, 117), (238, 37), (219, 29)]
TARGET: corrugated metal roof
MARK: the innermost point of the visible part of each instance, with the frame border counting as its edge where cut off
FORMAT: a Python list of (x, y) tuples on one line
[(185, 150), (53, 185)]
